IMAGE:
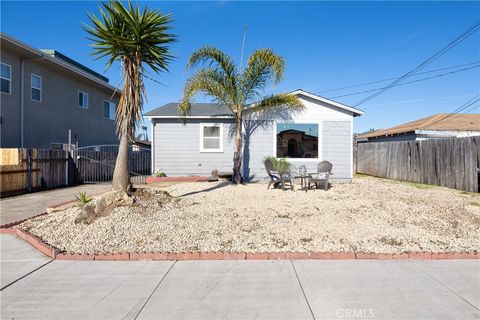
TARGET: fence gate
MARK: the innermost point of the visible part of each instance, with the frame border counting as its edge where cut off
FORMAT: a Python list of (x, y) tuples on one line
[(96, 163)]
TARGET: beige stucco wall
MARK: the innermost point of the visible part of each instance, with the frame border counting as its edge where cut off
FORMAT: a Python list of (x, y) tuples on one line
[(48, 121)]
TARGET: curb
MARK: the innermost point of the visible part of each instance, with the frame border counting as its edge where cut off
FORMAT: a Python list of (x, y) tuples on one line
[(54, 206), (55, 253)]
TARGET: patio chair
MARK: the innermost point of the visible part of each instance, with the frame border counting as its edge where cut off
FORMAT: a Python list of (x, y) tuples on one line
[(324, 171), (276, 178)]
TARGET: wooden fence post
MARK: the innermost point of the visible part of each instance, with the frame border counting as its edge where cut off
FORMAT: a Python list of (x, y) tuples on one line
[(29, 170)]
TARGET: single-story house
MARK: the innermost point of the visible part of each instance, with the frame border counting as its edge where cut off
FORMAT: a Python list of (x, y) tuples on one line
[(322, 131), (438, 126)]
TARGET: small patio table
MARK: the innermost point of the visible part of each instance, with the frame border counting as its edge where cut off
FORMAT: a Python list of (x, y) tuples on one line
[(304, 181)]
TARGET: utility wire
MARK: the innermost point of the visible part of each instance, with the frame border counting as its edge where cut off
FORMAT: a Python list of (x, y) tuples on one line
[(409, 82), (473, 28), (469, 103), (379, 81), (152, 79)]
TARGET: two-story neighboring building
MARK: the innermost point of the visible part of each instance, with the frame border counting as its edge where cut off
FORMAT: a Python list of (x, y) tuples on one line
[(44, 94)]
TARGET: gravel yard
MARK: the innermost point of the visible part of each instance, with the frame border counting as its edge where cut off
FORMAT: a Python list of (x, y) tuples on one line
[(368, 215)]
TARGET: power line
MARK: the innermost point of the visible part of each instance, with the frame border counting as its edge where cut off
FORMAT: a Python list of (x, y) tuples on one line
[(471, 102), (405, 83), (473, 28), (383, 80), (152, 79)]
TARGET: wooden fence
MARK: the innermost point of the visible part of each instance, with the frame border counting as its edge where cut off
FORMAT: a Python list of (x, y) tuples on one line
[(452, 163), (25, 170)]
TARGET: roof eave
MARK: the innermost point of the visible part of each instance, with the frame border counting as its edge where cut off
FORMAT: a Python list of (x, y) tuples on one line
[(355, 112), (55, 61)]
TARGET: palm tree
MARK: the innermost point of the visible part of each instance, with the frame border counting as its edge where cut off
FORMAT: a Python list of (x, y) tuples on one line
[(239, 90), (138, 39)]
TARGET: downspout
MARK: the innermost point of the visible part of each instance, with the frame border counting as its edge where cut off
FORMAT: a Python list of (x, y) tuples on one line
[(22, 98)]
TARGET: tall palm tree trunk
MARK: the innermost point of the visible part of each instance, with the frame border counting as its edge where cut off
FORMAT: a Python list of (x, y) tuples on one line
[(126, 115), (121, 176), (237, 154)]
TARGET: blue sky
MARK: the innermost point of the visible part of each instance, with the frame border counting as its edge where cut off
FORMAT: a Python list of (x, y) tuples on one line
[(326, 45)]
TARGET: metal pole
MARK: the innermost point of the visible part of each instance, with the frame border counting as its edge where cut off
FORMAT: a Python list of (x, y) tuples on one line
[(67, 156)]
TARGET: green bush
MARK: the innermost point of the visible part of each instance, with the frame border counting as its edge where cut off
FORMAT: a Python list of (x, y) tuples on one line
[(159, 173), (280, 165), (82, 199)]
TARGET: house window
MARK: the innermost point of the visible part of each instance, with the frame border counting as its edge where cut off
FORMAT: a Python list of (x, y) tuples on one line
[(211, 137), (295, 140), (83, 99), (109, 109), (36, 87), (6, 78)]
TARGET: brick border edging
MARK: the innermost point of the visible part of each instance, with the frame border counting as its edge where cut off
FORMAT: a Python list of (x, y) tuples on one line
[(14, 223), (55, 253)]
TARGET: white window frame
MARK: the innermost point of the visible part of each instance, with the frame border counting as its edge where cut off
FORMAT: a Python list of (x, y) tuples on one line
[(211, 150), (84, 94), (32, 87), (319, 142), (110, 103), (9, 80)]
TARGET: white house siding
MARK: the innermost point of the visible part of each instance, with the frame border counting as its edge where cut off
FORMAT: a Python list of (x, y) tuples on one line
[(177, 148), (259, 145), (337, 148)]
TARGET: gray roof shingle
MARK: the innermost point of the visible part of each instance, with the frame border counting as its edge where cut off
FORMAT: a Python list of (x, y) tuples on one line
[(197, 109)]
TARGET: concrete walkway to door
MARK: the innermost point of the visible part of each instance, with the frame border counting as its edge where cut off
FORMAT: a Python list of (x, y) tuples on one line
[(28, 205)]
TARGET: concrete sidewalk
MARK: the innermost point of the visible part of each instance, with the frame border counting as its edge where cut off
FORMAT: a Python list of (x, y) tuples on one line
[(28, 205), (299, 289)]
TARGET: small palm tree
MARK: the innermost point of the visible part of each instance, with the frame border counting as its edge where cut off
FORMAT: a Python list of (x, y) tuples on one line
[(138, 39), (239, 90)]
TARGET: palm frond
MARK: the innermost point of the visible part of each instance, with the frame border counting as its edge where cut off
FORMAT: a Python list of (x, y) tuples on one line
[(263, 67), (284, 101), (215, 58), (137, 38), (208, 81), (121, 31)]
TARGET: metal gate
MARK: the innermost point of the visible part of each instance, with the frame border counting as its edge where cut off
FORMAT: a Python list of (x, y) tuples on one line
[(97, 163)]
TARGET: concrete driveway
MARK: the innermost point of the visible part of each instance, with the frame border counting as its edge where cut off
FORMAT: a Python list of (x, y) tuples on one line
[(27, 205), (34, 287)]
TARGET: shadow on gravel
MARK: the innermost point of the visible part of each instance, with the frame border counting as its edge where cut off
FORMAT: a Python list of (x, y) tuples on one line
[(217, 186)]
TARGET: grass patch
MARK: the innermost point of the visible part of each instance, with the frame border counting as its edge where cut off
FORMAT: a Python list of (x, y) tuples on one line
[(468, 193), (420, 185), (360, 175), (475, 204)]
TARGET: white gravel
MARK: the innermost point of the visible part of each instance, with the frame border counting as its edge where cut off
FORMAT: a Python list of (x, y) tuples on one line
[(368, 215)]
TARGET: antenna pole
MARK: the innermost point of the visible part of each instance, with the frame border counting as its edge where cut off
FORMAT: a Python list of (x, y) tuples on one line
[(243, 46)]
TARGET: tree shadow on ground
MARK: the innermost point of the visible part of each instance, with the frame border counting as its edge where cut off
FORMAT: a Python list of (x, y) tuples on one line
[(216, 186)]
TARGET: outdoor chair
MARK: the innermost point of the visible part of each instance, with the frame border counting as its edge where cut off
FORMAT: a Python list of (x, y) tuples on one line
[(324, 171), (276, 178)]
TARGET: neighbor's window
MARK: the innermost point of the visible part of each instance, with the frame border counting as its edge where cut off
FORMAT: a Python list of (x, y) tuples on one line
[(295, 140), (211, 138), (109, 110), (36, 87), (83, 99), (6, 78)]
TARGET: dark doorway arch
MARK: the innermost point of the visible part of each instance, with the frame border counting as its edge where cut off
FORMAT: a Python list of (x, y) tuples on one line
[(292, 148)]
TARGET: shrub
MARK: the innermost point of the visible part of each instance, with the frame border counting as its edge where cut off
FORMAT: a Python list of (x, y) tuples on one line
[(280, 165), (159, 173), (82, 199)]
